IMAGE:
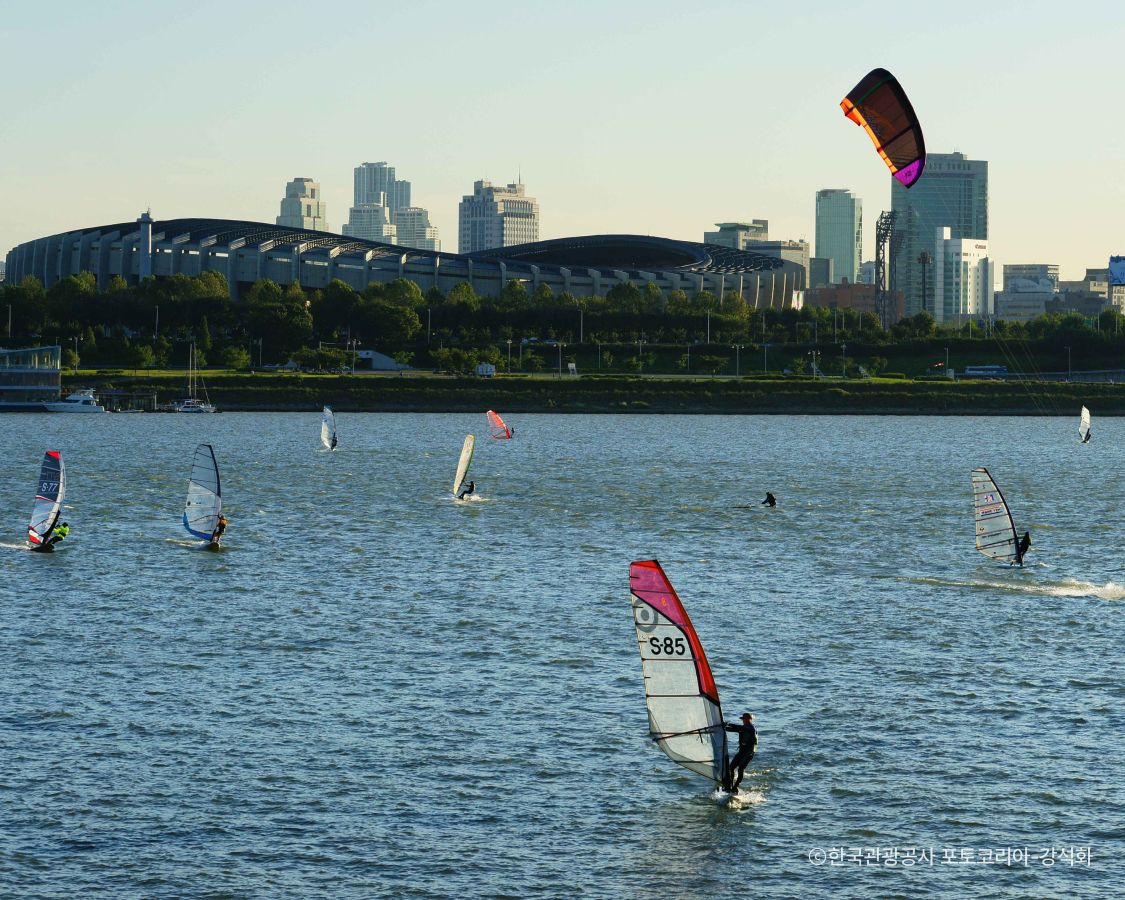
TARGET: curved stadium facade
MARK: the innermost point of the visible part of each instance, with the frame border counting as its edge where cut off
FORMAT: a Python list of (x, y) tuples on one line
[(245, 252)]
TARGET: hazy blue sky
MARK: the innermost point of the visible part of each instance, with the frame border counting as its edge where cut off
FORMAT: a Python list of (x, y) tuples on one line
[(641, 117)]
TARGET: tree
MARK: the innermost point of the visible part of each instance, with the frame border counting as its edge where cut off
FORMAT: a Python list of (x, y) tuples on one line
[(513, 297), (234, 356), (462, 294), (334, 308), (69, 358), (387, 324), (543, 295), (203, 339)]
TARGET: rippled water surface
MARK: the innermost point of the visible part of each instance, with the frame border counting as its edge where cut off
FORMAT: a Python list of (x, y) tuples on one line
[(376, 691)]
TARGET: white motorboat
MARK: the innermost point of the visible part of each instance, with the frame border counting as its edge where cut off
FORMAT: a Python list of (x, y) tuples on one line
[(80, 401)]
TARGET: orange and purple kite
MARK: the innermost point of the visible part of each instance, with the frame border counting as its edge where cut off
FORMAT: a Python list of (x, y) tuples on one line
[(879, 104)]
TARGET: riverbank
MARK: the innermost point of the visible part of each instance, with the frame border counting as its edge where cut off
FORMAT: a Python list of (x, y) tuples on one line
[(626, 394)]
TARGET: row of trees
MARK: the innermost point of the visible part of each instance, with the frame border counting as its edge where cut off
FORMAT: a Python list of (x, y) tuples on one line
[(154, 323)]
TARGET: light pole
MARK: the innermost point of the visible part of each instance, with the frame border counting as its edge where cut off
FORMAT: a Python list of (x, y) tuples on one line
[(708, 326), (814, 354), (156, 326), (689, 358), (765, 358), (509, 356), (427, 326), (843, 361), (640, 342), (947, 361), (737, 370), (581, 325), (353, 342), (9, 320), (76, 355), (1067, 362), (560, 358)]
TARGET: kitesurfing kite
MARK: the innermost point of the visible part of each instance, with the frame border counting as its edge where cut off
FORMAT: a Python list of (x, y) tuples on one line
[(204, 503), (48, 502), (685, 718), (879, 104), (997, 537), (1084, 426), (496, 426)]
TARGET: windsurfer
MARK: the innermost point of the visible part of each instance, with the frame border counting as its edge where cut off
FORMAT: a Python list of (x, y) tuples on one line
[(747, 744), (334, 441), (220, 529), (468, 489), (770, 501), (1025, 544), (1086, 439), (60, 532)]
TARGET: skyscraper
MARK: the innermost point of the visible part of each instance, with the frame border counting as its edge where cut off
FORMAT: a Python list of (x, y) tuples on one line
[(369, 221), (373, 179), (737, 235), (413, 228), (839, 232), (953, 193), (496, 217), (963, 278), (302, 206)]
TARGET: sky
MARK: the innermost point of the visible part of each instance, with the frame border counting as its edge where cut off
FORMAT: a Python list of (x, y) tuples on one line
[(621, 117)]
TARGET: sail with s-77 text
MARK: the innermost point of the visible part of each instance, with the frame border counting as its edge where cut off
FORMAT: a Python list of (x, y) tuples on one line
[(204, 494), (995, 529), (685, 717), (49, 496)]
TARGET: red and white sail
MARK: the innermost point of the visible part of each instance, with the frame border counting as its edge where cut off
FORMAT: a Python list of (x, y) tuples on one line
[(684, 715), (48, 499), (496, 426)]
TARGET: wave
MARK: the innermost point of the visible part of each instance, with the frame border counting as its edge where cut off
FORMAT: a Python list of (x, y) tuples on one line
[(1067, 587)]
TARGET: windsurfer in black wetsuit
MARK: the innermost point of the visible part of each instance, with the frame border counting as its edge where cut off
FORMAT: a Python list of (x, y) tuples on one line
[(1023, 546), (334, 441), (747, 744), (1089, 432), (465, 491), (770, 501)]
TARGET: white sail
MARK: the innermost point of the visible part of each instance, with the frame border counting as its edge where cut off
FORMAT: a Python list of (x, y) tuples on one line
[(48, 499), (996, 531), (684, 715), (204, 495), (463, 463), (1084, 425), (328, 429)]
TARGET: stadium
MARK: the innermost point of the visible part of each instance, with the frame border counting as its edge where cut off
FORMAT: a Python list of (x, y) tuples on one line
[(245, 252)]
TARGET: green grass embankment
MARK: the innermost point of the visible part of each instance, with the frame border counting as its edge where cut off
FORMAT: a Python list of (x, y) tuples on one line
[(617, 394)]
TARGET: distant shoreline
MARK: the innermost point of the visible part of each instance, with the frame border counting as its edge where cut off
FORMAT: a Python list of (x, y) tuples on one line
[(258, 392)]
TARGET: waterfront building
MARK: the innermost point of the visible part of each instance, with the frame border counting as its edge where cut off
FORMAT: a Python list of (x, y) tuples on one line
[(839, 232), (963, 278), (737, 235), (496, 217), (245, 252), (952, 193), (303, 207), (413, 229), (30, 378)]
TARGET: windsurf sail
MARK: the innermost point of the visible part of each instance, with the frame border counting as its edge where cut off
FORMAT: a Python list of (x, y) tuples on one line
[(880, 106), (496, 425), (996, 532), (684, 715), (1084, 426), (463, 463), (204, 495), (328, 429), (48, 499)]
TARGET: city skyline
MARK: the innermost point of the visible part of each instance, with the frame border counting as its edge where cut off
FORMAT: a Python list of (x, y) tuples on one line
[(1052, 198)]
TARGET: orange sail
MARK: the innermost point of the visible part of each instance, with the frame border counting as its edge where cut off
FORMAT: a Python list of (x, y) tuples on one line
[(496, 426)]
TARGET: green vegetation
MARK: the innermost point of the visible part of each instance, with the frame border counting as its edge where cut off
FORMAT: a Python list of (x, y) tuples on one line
[(632, 330)]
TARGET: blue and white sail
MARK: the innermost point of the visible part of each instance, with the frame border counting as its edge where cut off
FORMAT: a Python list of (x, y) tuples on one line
[(204, 495)]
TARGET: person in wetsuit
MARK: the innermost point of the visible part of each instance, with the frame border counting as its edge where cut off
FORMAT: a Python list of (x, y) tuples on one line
[(747, 744), (770, 501), (60, 532), (1024, 545), (220, 529), (1089, 432), (465, 491)]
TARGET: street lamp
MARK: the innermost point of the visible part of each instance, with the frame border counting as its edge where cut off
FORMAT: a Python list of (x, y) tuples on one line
[(9, 320), (843, 361), (156, 325), (947, 362), (561, 345), (581, 325), (1067, 363), (737, 370), (427, 326), (640, 342), (509, 356), (815, 371), (353, 342), (765, 358)]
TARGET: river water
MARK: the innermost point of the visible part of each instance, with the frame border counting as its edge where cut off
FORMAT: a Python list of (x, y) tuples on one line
[(375, 691)]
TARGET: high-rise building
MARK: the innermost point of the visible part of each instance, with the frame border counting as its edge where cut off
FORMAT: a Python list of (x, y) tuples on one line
[(496, 217), (412, 224), (737, 235), (369, 221), (952, 193), (866, 273), (791, 251), (375, 179), (302, 206), (1037, 273), (839, 232), (963, 278)]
